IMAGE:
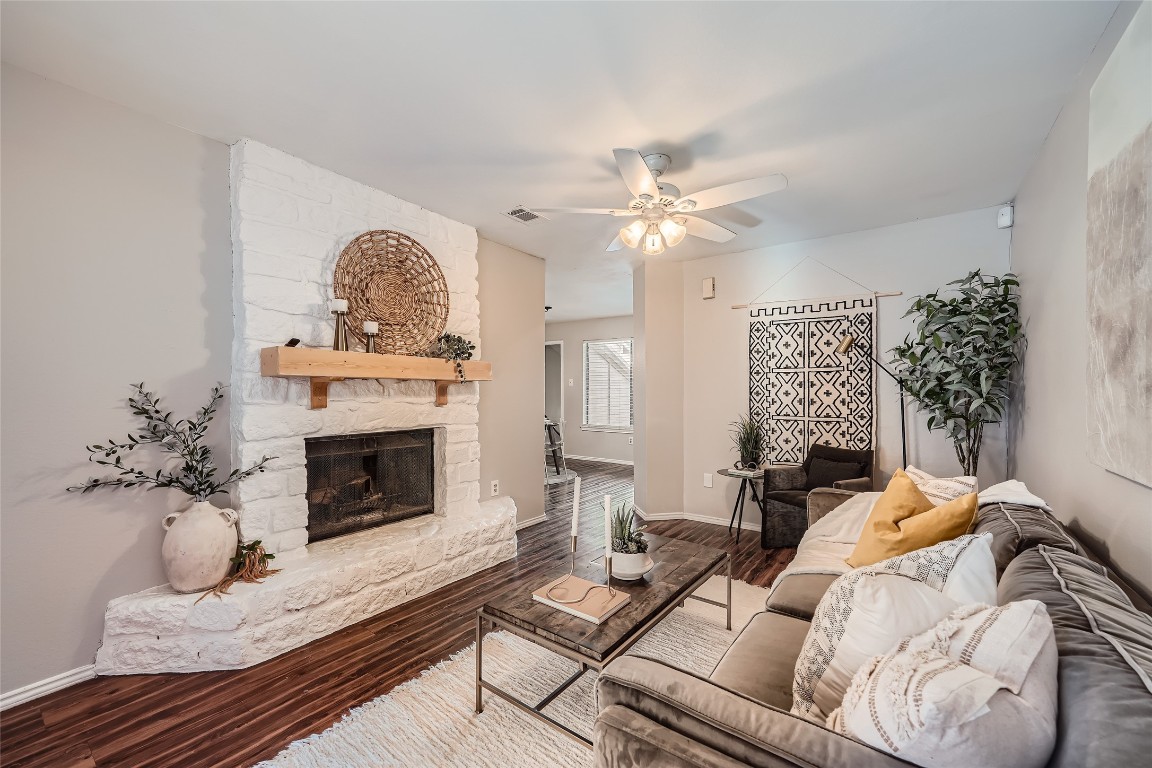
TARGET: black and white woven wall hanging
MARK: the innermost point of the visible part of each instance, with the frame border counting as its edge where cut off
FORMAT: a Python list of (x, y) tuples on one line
[(799, 389)]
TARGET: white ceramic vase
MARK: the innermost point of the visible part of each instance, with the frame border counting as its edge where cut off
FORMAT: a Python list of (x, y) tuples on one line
[(198, 547), (628, 567)]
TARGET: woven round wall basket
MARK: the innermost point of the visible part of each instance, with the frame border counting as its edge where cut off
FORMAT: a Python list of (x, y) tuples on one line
[(388, 277)]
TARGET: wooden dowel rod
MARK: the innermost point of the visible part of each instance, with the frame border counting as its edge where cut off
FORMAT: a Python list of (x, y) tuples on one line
[(877, 294)]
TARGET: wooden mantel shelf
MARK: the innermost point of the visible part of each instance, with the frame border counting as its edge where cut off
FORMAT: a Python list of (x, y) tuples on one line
[(323, 366)]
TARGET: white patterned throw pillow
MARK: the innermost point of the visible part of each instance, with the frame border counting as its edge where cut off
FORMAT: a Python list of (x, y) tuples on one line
[(979, 688), (941, 490), (867, 611)]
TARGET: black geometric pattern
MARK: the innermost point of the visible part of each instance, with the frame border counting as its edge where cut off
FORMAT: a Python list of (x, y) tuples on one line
[(799, 389)]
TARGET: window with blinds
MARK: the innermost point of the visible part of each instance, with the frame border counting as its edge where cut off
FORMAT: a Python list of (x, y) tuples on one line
[(608, 385)]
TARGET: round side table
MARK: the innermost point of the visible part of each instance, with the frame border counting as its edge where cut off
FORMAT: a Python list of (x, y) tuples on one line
[(738, 508)]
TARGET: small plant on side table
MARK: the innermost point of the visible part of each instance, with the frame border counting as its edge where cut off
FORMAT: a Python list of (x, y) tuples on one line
[(750, 441)]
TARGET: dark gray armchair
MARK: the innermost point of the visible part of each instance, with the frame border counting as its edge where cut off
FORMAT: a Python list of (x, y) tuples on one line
[(784, 503)]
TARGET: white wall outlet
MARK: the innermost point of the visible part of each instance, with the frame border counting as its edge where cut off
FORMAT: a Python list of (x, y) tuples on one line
[(495, 487), (629, 439), (708, 288), (571, 382), (707, 479)]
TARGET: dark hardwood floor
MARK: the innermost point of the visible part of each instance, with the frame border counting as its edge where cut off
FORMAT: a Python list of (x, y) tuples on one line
[(237, 718)]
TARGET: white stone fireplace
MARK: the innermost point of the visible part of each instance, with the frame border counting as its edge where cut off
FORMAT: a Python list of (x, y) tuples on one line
[(290, 220)]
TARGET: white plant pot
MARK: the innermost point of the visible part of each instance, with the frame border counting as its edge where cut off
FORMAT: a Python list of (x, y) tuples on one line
[(630, 567), (200, 542)]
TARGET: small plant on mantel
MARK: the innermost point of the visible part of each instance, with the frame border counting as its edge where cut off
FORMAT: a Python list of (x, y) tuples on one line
[(182, 439), (455, 348)]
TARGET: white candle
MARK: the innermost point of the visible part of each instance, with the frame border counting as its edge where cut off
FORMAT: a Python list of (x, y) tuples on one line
[(371, 326), (607, 527), (575, 506), (338, 305)]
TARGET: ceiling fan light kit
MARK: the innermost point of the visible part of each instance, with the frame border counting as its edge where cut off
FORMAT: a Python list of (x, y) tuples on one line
[(659, 206), (653, 242), (632, 233)]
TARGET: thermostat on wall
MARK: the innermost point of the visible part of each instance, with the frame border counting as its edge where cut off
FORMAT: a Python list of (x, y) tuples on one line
[(709, 288)]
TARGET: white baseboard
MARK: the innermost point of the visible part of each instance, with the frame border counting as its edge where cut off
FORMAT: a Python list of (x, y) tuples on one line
[(745, 525), (602, 461), (531, 521), (47, 686)]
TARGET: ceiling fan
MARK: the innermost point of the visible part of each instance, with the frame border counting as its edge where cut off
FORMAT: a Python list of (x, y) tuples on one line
[(661, 210)]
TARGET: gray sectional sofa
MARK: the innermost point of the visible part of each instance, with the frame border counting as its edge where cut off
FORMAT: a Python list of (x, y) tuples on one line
[(652, 714)]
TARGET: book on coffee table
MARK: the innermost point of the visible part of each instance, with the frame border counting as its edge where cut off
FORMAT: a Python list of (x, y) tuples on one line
[(596, 607)]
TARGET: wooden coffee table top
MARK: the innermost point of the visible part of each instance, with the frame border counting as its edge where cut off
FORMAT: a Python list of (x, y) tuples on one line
[(678, 565)]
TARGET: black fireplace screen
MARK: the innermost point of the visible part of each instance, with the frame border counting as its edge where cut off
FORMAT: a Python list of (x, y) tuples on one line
[(362, 481)]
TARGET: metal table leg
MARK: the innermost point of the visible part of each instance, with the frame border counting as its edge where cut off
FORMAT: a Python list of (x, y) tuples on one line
[(479, 663), (728, 586), (739, 508)]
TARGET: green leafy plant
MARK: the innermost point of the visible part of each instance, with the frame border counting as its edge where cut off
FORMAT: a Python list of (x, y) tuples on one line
[(750, 441), (625, 540), (181, 440), (959, 362), (455, 348)]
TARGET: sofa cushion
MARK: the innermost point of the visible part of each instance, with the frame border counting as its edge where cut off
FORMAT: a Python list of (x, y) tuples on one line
[(761, 661), (868, 610), (941, 489), (822, 473), (1105, 648), (904, 519), (798, 594), (978, 689), (1015, 528)]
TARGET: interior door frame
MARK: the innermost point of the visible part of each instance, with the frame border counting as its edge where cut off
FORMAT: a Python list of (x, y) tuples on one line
[(562, 420)]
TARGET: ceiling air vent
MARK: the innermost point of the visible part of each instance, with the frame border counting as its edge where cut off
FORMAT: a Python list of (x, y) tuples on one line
[(521, 214)]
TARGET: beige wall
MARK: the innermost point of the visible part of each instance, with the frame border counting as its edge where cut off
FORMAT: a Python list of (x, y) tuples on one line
[(577, 441), (512, 404), (116, 269), (658, 312), (1048, 251)]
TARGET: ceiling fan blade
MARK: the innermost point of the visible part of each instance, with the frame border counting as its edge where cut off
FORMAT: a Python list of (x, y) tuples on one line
[(708, 230), (735, 193), (601, 211), (635, 173), (615, 245)]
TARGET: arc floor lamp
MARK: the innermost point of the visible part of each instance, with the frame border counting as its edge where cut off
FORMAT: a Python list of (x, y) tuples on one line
[(843, 348)]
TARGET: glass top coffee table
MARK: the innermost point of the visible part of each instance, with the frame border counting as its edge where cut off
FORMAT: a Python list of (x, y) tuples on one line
[(679, 569)]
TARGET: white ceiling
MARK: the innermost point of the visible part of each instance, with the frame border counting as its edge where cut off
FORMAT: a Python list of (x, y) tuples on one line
[(878, 113)]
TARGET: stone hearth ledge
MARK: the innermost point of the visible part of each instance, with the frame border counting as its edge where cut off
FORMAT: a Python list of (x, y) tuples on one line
[(342, 581)]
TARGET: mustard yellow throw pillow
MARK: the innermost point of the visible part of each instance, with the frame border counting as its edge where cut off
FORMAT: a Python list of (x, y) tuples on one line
[(904, 520)]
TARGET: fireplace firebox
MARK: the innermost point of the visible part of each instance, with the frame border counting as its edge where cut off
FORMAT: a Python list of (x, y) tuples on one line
[(363, 481)]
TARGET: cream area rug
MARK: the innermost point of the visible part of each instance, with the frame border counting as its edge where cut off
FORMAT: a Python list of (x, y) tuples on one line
[(430, 722)]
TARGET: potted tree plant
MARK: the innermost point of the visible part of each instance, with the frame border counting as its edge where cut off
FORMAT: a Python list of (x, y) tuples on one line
[(630, 560), (201, 539), (958, 364)]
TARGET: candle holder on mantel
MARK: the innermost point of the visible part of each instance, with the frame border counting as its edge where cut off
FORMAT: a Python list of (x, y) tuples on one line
[(339, 308), (371, 328)]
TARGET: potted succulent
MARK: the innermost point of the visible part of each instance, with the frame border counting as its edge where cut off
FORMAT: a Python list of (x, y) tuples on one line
[(201, 539), (749, 438), (630, 560)]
